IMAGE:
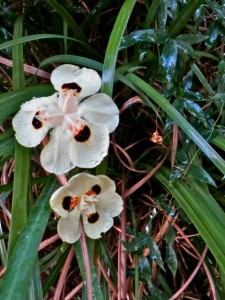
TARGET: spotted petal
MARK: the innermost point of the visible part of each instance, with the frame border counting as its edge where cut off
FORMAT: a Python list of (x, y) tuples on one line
[(69, 228), (103, 224), (106, 184), (29, 130), (81, 183), (101, 109), (84, 82), (91, 146), (57, 198)]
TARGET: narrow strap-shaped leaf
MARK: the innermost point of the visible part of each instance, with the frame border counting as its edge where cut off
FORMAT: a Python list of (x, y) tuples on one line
[(74, 26), (72, 59), (113, 46), (97, 293), (181, 121), (204, 215), (22, 261), (34, 37), (109, 64), (22, 160)]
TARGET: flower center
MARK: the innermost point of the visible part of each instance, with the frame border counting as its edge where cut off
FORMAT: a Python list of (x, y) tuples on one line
[(71, 86), (69, 203), (83, 134), (86, 202)]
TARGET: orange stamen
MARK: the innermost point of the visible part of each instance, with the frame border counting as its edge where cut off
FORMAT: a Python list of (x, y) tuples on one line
[(89, 193), (74, 202), (76, 131)]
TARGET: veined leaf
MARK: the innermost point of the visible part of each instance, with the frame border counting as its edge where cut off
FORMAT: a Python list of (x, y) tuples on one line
[(191, 38), (169, 58), (149, 35), (171, 260), (200, 174)]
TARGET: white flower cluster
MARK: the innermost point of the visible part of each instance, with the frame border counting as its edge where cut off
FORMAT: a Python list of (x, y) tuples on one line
[(79, 121)]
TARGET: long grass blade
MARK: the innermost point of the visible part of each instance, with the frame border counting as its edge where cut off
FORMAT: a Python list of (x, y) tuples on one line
[(109, 64), (203, 211), (16, 280), (21, 185), (34, 37)]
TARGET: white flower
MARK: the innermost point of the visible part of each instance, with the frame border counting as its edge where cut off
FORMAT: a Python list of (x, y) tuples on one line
[(79, 130), (92, 197)]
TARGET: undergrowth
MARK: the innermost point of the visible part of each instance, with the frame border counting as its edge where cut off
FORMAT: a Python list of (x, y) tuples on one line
[(163, 64)]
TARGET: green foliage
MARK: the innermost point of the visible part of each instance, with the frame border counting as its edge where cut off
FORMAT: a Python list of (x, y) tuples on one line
[(163, 63)]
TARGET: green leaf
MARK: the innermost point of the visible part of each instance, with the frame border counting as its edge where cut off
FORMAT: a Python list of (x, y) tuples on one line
[(137, 243), (7, 145), (194, 109), (169, 58), (185, 14), (72, 59), (21, 184), (171, 260), (55, 270), (16, 280), (176, 173), (97, 293), (186, 48), (110, 60), (202, 209), (73, 26), (154, 252), (170, 236), (145, 269), (149, 35), (191, 38), (34, 37), (212, 34), (221, 66), (200, 174), (113, 46)]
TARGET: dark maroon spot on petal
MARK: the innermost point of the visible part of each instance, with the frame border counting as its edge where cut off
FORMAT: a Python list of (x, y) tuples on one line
[(36, 123), (93, 218), (71, 86), (83, 135), (96, 189), (66, 202)]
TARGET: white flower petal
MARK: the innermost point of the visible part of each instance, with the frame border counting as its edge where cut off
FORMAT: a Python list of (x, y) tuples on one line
[(103, 224), (110, 203), (57, 201), (106, 184), (69, 228), (37, 103), (56, 155), (87, 81), (91, 151), (101, 109), (29, 131), (81, 183)]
